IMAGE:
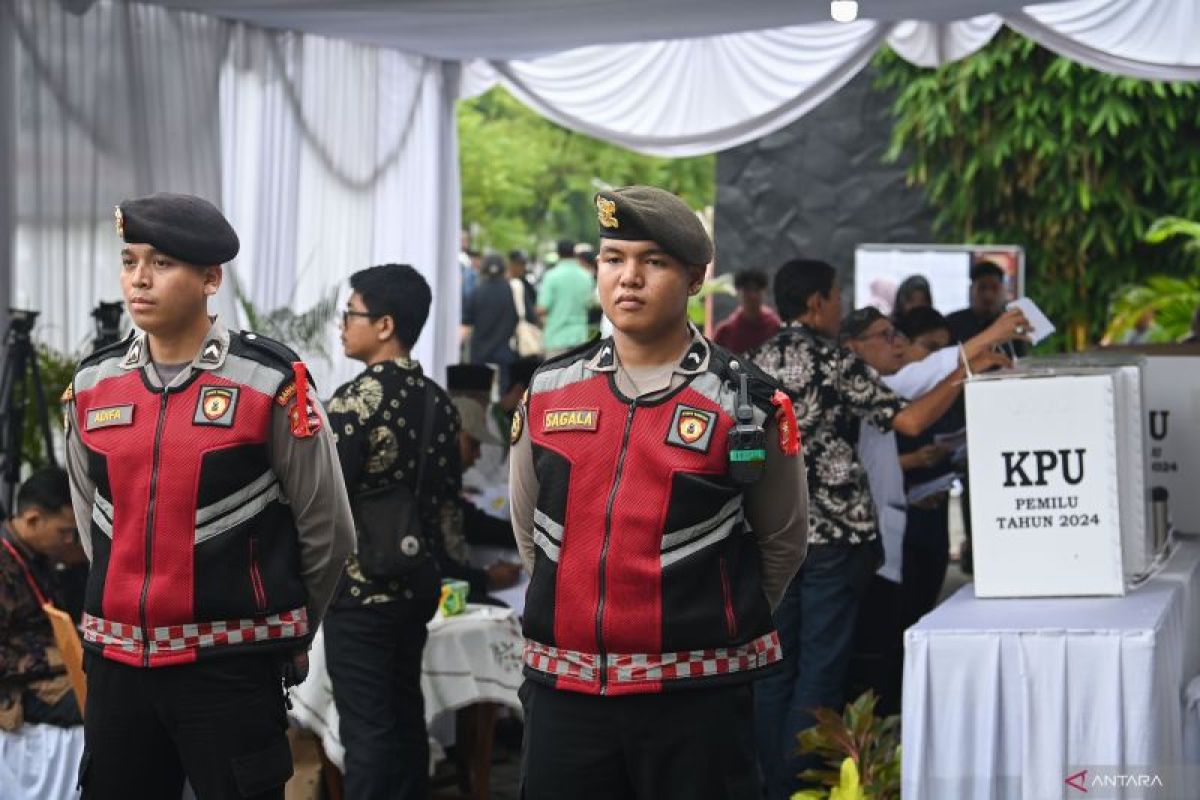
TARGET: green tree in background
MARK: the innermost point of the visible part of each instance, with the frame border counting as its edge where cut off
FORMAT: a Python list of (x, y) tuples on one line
[(527, 181), (1018, 145)]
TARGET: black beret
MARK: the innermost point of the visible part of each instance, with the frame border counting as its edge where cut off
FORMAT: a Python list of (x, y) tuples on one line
[(469, 378), (647, 213), (188, 228)]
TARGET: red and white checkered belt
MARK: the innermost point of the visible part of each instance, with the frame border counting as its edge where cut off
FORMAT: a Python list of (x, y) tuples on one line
[(632, 668), (179, 638)]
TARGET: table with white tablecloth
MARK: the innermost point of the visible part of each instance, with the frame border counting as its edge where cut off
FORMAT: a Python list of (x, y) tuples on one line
[(1007, 698), (474, 657)]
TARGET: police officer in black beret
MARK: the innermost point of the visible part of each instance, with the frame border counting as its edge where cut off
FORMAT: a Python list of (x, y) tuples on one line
[(659, 504), (210, 502)]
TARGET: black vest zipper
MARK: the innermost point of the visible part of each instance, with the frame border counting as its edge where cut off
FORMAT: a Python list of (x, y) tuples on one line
[(612, 496), (162, 417)]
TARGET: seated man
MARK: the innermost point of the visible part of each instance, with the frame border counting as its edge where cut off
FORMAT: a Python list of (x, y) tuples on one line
[(41, 733)]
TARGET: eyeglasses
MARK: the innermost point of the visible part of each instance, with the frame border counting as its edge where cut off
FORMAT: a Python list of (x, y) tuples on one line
[(890, 335), (347, 314)]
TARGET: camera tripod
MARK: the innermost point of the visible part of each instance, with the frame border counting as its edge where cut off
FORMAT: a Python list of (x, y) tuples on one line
[(18, 375)]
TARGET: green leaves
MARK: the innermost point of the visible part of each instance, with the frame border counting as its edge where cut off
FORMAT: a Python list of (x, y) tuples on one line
[(526, 180), (1016, 144), (872, 744)]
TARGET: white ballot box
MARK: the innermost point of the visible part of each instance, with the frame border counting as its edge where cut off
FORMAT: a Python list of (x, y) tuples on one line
[(1058, 496), (1173, 432)]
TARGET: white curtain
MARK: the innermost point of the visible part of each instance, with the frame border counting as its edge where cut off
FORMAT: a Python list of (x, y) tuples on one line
[(112, 105), (327, 157), (336, 157)]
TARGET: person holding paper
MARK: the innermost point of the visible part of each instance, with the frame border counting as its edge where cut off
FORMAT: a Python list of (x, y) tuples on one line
[(878, 647), (835, 391)]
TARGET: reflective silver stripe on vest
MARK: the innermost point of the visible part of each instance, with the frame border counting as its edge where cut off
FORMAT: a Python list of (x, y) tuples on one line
[(547, 534), (242, 505), (717, 534), (102, 514)]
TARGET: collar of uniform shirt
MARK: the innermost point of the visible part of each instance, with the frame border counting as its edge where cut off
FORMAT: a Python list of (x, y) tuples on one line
[(211, 355), (693, 362)]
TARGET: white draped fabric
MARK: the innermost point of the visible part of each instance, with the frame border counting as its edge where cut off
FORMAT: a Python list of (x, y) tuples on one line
[(327, 156), (330, 156), (337, 156), (1054, 685), (682, 97), (101, 116)]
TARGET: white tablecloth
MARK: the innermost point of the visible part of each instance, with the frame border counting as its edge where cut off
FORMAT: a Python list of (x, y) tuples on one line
[(40, 762), (471, 658), (1007, 698)]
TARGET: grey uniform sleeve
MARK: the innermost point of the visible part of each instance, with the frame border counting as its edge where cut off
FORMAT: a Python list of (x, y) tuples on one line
[(777, 510), (311, 478), (83, 491), (522, 492)]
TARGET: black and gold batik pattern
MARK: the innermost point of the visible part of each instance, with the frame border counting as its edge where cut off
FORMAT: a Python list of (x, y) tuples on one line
[(833, 390)]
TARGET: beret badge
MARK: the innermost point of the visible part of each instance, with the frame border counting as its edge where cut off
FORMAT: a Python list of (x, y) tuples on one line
[(606, 212), (120, 218)]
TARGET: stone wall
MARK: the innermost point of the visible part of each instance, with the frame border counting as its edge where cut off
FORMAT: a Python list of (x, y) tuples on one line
[(817, 189)]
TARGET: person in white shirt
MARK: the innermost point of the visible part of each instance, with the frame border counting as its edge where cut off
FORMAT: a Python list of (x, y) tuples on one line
[(910, 369)]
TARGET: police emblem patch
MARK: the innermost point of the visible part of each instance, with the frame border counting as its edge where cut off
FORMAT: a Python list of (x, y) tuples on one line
[(518, 425), (606, 212), (216, 406), (691, 428)]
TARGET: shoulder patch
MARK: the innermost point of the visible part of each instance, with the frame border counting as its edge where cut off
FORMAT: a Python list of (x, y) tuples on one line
[(108, 351), (518, 422), (269, 351)]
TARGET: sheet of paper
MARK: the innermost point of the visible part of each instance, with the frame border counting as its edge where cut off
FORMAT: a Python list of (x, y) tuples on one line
[(936, 486), (1040, 325)]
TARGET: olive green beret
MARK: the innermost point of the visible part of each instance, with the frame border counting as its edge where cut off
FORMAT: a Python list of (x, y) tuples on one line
[(647, 213), (182, 226)]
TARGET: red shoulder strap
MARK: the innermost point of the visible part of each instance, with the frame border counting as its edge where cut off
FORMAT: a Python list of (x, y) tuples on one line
[(37, 592)]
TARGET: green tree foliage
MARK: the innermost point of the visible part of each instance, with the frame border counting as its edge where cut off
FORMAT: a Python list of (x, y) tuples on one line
[(1170, 302), (1016, 144), (526, 181)]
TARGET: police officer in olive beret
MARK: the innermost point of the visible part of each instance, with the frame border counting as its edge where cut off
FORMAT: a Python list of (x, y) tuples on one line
[(210, 502), (659, 504)]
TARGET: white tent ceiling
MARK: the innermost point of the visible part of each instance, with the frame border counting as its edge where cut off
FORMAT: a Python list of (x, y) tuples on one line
[(326, 129), (507, 29)]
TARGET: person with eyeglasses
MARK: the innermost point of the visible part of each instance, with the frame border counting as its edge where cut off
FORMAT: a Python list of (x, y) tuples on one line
[(397, 431), (878, 650), (835, 390)]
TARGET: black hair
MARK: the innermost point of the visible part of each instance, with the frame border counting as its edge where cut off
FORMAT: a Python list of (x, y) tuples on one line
[(521, 371), (986, 269), (910, 286), (922, 319), (398, 291), (493, 266), (749, 278), (47, 489), (518, 255), (565, 248), (587, 258), (857, 321), (798, 280)]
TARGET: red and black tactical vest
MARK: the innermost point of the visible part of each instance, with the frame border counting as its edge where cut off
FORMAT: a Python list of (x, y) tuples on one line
[(646, 576), (194, 548)]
